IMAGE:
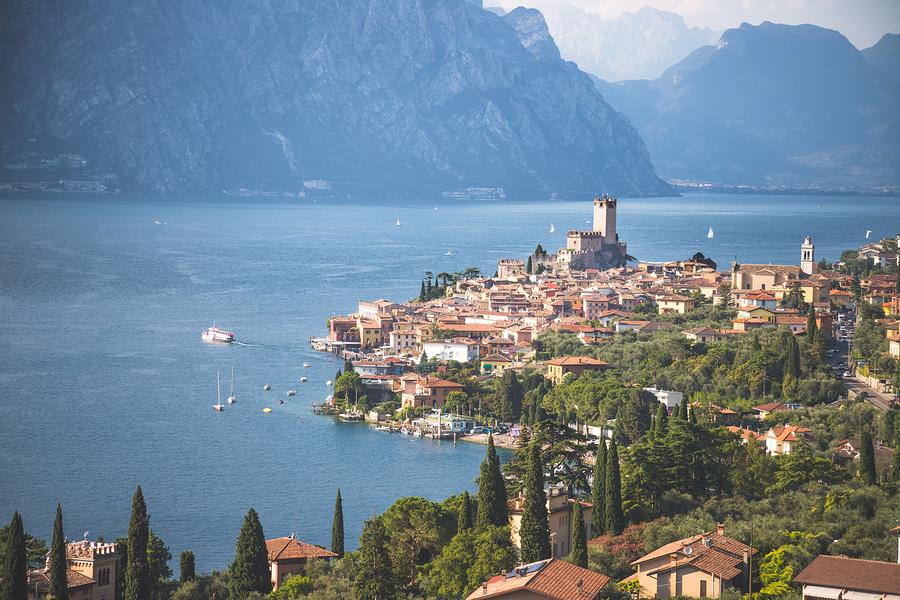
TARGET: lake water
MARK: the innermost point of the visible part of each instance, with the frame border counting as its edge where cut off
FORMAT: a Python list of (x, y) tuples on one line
[(104, 382)]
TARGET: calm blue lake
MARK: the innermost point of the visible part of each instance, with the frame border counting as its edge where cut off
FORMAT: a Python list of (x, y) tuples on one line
[(104, 382)]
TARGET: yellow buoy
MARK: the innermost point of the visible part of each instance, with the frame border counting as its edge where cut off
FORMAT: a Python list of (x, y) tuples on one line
[(267, 410)]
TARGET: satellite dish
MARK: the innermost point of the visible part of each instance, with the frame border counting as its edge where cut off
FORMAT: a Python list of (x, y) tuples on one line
[(687, 550)]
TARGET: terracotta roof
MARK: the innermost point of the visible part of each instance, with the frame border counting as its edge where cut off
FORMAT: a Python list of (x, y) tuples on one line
[(852, 574), (723, 556), (585, 361), (286, 548), (434, 382), (73, 578), (554, 579)]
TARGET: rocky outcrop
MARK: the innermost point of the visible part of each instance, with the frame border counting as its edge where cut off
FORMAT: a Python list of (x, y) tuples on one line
[(202, 95)]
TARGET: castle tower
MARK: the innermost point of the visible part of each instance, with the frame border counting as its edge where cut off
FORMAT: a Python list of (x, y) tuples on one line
[(807, 256), (605, 218)]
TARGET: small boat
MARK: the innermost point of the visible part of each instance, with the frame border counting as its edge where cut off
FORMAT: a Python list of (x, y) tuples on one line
[(267, 387), (329, 382), (305, 365), (552, 228), (214, 334), (231, 397), (435, 208), (157, 223), (281, 402), (398, 222), (218, 406), (383, 428), (868, 233), (448, 253), (292, 392), (710, 233), (304, 379), (267, 410)]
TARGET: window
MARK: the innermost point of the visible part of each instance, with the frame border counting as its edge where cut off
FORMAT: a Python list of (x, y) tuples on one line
[(703, 589)]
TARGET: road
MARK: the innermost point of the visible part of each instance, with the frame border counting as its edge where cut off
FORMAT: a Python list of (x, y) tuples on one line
[(839, 363)]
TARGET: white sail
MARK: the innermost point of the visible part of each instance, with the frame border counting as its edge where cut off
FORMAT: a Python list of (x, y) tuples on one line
[(552, 228), (710, 233), (398, 222)]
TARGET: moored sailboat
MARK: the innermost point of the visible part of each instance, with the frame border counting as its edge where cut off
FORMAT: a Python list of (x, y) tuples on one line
[(218, 406)]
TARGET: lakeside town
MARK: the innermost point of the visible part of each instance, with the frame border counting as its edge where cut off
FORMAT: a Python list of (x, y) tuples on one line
[(675, 429)]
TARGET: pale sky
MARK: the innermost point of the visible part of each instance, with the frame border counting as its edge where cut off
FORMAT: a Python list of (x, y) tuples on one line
[(863, 22)]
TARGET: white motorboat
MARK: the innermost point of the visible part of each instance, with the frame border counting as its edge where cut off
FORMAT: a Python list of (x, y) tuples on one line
[(292, 392), (448, 253), (231, 397), (303, 380), (215, 334), (329, 382), (306, 365), (267, 387), (218, 406)]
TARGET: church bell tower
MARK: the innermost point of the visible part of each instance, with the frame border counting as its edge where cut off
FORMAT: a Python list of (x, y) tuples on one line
[(807, 256)]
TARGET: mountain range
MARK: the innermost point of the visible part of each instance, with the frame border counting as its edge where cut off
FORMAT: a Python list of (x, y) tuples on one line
[(367, 95), (773, 105), (634, 45)]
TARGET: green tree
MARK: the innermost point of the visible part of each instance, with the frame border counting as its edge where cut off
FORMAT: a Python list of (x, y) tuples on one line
[(867, 471), (14, 570), (685, 408), (187, 567), (59, 585), (659, 423), (190, 590), (579, 555), (598, 493), (615, 519), (422, 297), (491, 491), (509, 397), (375, 579), (811, 323), (137, 571), (158, 557), (470, 558), (464, 517), (535, 529), (250, 570), (528, 266), (294, 587), (774, 575), (337, 526)]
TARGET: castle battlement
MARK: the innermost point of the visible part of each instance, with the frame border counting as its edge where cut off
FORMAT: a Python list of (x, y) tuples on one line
[(584, 234), (89, 550)]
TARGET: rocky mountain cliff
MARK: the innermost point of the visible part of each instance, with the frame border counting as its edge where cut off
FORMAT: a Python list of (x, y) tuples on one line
[(885, 55), (204, 95), (770, 105), (634, 45)]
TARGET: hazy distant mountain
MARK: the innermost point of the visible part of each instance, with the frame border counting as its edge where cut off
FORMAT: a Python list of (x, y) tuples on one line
[(885, 55), (203, 95), (639, 45), (773, 103)]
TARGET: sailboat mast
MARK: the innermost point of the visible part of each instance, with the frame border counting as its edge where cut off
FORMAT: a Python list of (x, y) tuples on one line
[(218, 392), (232, 380)]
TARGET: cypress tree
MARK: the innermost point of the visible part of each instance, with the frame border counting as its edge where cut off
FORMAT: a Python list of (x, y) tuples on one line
[(660, 424), (348, 366), (59, 585), (579, 554), (137, 571), (693, 414), (250, 570), (187, 566), (811, 323), (337, 375), (528, 266), (685, 408), (867, 470), (464, 517), (15, 570), (615, 520), (895, 465), (337, 526), (374, 576), (491, 491), (535, 529), (676, 412), (598, 495), (792, 359)]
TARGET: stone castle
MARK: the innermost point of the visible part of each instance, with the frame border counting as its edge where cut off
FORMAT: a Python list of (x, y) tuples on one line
[(598, 248)]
